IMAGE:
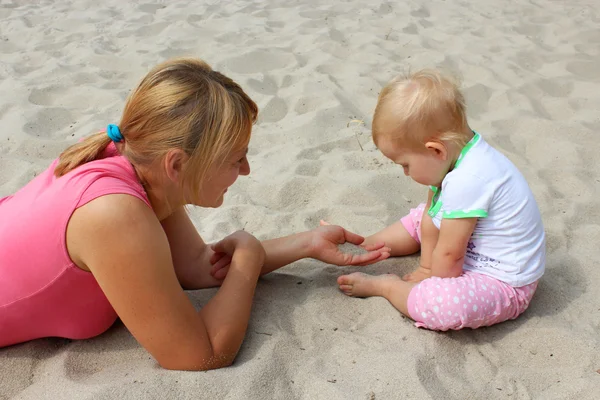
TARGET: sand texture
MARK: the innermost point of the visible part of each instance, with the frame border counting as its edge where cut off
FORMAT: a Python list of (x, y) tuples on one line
[(531, 76)]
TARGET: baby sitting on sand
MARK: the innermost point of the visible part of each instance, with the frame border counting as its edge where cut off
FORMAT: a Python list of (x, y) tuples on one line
[(480, 233)]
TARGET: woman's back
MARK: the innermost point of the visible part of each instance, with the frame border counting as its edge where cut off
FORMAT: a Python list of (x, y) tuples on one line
[(42, 292)]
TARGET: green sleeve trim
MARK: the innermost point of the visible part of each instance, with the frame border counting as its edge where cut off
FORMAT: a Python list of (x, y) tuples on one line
[(465, 214)]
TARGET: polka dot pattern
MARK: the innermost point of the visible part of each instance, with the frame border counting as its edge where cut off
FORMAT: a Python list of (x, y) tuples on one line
[(470, 301)]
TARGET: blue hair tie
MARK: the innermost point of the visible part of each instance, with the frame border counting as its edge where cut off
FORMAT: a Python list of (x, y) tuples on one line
[(114, 133)]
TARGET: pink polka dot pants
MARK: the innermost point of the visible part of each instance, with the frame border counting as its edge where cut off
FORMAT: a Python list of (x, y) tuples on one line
[(470, 301)]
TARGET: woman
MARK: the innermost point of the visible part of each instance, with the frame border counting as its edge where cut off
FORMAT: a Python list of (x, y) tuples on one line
[(102, 233)]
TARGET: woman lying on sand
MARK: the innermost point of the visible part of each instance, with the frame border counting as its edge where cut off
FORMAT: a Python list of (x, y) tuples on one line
[(102, 233)]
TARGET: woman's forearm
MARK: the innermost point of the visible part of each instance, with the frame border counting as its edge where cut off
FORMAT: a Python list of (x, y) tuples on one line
[(226, 315), (286, 250)]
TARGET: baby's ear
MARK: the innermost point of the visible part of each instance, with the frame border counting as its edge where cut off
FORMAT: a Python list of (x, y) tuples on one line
[(438, 149)]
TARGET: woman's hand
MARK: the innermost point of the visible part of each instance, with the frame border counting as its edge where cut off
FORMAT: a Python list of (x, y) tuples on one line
[(226, 249), (326, 239), (220, 265)]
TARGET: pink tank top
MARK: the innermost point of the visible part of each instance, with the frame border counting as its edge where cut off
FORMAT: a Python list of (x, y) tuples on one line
[(42, 292)]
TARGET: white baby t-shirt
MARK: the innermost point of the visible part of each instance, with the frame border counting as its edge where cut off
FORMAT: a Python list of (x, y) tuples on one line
[(508, 242)]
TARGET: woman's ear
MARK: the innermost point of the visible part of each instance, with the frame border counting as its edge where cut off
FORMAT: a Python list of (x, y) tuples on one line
[(174, 162), (438, 150)]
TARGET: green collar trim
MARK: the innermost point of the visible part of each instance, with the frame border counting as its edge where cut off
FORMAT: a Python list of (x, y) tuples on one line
[(468, 147), (436, 204)]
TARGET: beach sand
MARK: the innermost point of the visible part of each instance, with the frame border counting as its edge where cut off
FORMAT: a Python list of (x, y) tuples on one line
[(531, 76)]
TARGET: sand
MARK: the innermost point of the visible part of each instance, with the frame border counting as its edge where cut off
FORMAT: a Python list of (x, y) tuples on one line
[(531, 75)]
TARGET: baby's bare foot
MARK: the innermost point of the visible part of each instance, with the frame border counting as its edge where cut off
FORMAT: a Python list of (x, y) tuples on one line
[(358, 284), (417, 275)]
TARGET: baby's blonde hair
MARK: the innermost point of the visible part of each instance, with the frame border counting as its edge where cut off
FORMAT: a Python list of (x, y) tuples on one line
[(180, 104), (421, 106)]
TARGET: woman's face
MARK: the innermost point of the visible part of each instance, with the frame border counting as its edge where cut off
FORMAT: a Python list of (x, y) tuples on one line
[(221, 177)]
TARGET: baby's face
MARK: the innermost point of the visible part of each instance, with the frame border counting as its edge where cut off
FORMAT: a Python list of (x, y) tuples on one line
[(425, 167)]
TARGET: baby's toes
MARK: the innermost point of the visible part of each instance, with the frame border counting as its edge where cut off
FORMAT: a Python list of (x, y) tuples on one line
[(343, 280)]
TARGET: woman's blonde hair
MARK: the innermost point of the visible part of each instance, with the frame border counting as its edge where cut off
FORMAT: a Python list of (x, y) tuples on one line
[(180, 104), (421, 106)]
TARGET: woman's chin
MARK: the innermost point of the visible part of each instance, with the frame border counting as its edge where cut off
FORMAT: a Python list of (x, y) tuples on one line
[(218, 202), (211, 203)]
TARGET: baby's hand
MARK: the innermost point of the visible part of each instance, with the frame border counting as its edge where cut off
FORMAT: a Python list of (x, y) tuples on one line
[(418, 275)]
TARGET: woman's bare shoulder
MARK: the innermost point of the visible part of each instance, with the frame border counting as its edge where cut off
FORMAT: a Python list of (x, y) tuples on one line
[(109, 221)]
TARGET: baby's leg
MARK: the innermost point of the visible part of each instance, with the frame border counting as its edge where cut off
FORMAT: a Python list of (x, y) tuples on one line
[(397, 238), (389, 286), (470, 301), (404, 236)]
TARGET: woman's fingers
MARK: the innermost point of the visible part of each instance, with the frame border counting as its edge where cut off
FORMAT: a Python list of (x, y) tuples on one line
[(216, 257), (222, 273), (371, 259), (352, 237), (375, 246), (226, 245), (366, 258), (219, 265)]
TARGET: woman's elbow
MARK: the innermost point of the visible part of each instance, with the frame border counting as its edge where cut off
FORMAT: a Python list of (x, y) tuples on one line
[(198, 363)]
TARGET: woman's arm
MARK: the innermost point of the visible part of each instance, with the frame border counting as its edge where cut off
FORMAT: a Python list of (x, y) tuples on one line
[(320, 243), (286, 250), (121, 242), (189, 252)]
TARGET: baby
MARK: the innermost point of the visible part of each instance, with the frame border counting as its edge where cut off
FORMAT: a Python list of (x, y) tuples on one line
[(480, 232)]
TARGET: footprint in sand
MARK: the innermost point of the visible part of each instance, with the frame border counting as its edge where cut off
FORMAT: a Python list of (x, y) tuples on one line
[(151, 8), (422, 12), (411, 29), (585, 70), (275, 110), (309, 168), (308, 104), (297, 192), (260, 61), (151, 30), (48, 121), (267, 86), (555, 88), (341, 145), (478, 97)]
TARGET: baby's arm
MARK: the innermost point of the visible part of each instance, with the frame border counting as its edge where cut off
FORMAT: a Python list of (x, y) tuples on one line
[(449, 253), (429, 238), (429, 235)]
